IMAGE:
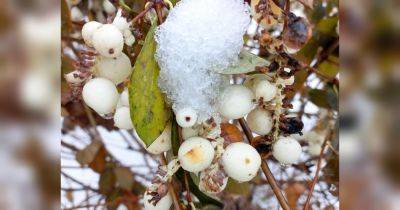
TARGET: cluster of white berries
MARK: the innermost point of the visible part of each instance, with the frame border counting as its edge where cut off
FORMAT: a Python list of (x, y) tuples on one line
[(112, 67), (238, 101)]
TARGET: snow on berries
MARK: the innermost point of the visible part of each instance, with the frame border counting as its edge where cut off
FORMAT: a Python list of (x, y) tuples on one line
[(115, 69), (196, 154), (235, 102), (241, 161), (286, 150), (101, 95), (197, 39)]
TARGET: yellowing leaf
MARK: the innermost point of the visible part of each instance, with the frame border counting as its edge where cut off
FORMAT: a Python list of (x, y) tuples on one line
[(247, 63), (149, 112)]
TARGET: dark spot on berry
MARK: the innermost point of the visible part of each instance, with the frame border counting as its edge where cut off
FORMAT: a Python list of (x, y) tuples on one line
[(187, 119), (111, 51)]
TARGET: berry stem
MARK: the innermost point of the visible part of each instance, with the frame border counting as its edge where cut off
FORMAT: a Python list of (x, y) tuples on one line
[(171, 189), (266, 170)]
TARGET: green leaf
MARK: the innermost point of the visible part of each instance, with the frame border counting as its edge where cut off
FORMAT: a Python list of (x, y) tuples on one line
[(236, 188), (328, 25), (247, 63), (175, 137), (149, 112), (324, 98), (329, 68)]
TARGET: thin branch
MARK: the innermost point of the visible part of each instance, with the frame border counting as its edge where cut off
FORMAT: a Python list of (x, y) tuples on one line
[(315, 180), (267, 172), (142, 13), (171, 189)]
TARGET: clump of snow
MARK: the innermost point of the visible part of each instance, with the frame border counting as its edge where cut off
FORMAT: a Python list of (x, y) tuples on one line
[(198, 38)]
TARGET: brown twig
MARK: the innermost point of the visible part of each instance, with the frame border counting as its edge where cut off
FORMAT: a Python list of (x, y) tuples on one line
[(142, 13), (267, 172), (316, 176), (171, 189)]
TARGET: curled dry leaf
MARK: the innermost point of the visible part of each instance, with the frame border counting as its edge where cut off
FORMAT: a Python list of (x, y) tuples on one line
[(231, 133)]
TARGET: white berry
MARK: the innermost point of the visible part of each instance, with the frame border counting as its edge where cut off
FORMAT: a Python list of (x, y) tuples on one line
[(88, 31), (115, 69), (241, 161), (76, 14), (287, 150), (235, 102), (163, 204), (108, 41), (121, 23), (162, 143), (196, 154), (264, 90), (124, 99), (109, 8), (190, 132), (122, 118), (260, 121), (101, 95), (186, 117)]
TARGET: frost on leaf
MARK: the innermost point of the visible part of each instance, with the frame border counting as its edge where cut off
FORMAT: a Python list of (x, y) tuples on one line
[(198, 39)]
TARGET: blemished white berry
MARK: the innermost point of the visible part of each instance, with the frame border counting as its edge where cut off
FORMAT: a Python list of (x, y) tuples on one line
[(121, 23), (88, 30), (196, 154), (241, 161), (314, 149), (235, 102), (190, 132), (260, 121), (115, 69), (162, 143), (108, 7), (76, 14), (287, 150), (186, 117), (264, 90), (163, 204), (130, 40), (101, 95), (122, 118), (124, 98), (108, 41)]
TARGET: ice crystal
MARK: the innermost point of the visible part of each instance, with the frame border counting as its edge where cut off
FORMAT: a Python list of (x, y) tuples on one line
[(198, 38)]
